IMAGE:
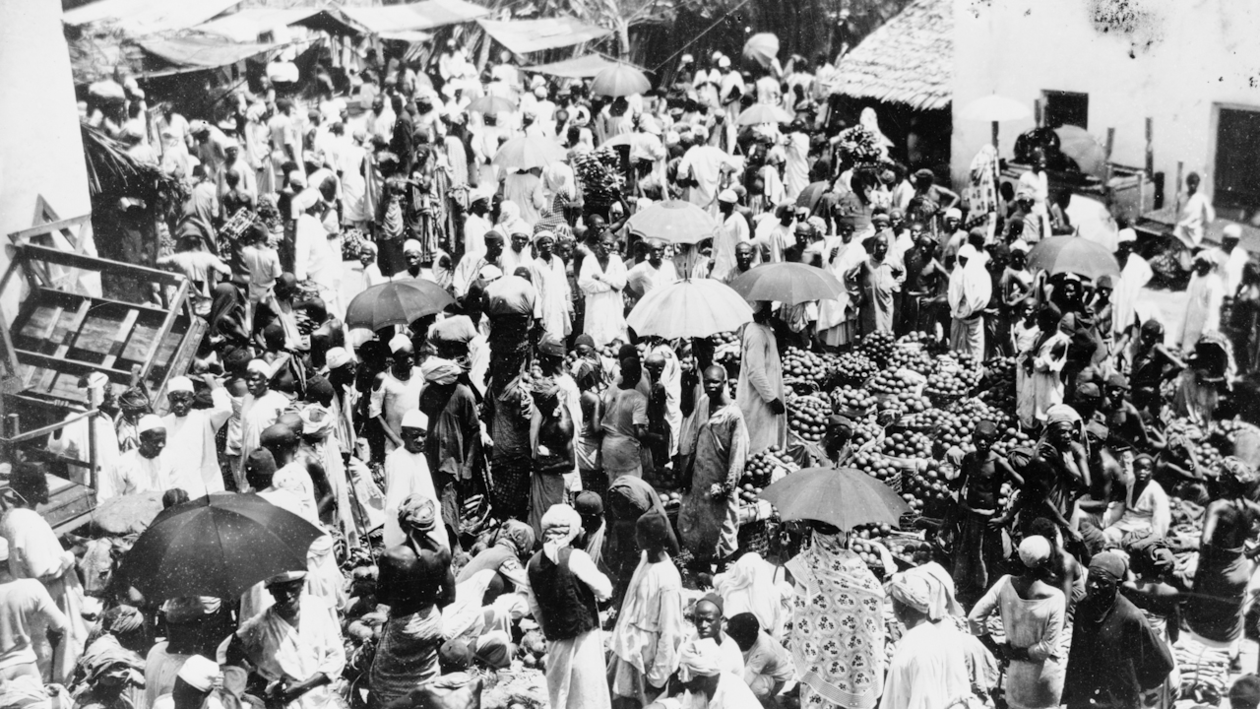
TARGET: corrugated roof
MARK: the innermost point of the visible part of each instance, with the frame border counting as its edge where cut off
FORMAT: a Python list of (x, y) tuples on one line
[(426, 15), (525, 36), (910, 59)]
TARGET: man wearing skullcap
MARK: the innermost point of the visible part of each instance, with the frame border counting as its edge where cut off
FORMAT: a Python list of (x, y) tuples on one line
[(1038, 382), (701, 170), (194, 683), (296, 645), (407, 473), (705, 682), (1032, 613), (416, 583), (929, 669), (1214, 612), (453, 443), (733, 231), (142, 469), (190, 435), (517, 254), (602, 280), (553, 308), (564, 586), (24, 606), (759, 392), (708, 521), (1115, 656), (477, 221), (395, 390), (260, 408)]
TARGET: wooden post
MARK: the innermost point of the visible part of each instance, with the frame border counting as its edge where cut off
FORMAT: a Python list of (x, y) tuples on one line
[(1177, 193), (1150, 148), (1111, 142), (1037, 111), (994, 124)]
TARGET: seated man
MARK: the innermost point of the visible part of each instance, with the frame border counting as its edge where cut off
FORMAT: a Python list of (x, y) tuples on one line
[(767, 665)]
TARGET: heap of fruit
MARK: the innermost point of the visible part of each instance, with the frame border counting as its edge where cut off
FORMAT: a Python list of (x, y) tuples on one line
[(947, 384), (768, 466), (807, 416), (908, 444), (725, 347), (803, 364), (878, 346), (747, 493), (865, 432), (910, 356), (927, 490), (850, 400), (853, 367), (929, 420), (876, 466), (998, 386), (867, 551), (671, 499), (888, 381)]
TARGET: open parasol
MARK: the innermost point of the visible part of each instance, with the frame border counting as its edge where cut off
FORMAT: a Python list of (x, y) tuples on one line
[(688, 308), (218, 545), (396, 303), (491, 104), (620, 80), (528, 152), (1078, 144), (762, 48), (1073, 254), (789, 283), (994, 109), (843, 497), (760, 113), (676, 221)]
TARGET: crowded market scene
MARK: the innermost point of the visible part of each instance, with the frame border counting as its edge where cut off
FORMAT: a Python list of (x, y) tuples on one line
[(449, 356)]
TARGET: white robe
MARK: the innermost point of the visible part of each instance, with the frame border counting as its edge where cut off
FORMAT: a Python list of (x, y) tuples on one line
[(1044, 387), (705, 164), (734, 232), (407, 473), (554, 305), (1203, 308), (760, 382), (605, 309), (927, 671), (190, 448), (279, 650), (1135, 275), (833, 312), (133, 474)]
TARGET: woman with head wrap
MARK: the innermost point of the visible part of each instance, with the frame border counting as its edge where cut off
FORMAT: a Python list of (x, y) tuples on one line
[(836, 590), (112, 676), (1115, 658), (551, 434), (564, 587), (704, 682), (453, 444), (929, 667), (1039, 382), (970, 288), (1214, 612), (1032, 613), (650, 626), (1057, 473)]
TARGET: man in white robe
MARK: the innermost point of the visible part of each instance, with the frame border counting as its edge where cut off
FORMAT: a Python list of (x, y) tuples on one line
[(190, 433), (407, 473), (261, 408), (652, 273), (553, 308), (969, 289), (143, 468), (734, 231), (759, 391), (704, 164)]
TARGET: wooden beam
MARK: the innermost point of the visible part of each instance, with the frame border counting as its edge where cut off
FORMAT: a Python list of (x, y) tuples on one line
[(65, 258), (45, 430), (1150, 147), (41, 229), (69, 366), (125, 329), (181, 296), (67, 341)]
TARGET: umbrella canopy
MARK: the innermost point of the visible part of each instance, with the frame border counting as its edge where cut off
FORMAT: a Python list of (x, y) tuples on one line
[(994, 108), (688, 308), (491, 104), (789, 283), (396, 303), (1078, 144), (127, 514), (1073, 254), (620, 80), (676, 221), (528, 152), (843, 497), (218, 545), (760, 113), (809, 196), (762, 48)]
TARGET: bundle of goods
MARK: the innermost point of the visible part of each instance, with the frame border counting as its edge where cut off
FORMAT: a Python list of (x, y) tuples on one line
[(602, 183), (878, 346), (807, 416), (893, 382), (852, 368), (854, 402)]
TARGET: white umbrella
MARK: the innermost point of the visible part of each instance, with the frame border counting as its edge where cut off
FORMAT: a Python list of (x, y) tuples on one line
[(688, 308)]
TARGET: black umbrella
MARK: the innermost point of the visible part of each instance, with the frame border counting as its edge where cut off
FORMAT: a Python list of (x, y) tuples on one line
[(219, 545)]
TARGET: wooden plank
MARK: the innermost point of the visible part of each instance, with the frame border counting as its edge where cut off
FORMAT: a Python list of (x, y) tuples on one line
[(120, 339), (48, 228), (45, 430), (70, 366), (43, 335), (181, 295), (65, 258), (67, 341)]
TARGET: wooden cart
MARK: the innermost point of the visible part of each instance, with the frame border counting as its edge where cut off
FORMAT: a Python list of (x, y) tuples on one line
[(63, 333)]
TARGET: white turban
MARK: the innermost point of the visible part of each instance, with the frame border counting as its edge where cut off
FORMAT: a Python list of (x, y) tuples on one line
[(560, 526), (399, 342), (700, 658), (1034, 551), (200, 673), (440, 371), (412, 245), (912, 590)]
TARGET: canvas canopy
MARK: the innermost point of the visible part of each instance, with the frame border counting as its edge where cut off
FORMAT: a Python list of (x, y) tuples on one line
[(581, 67), (248, 24), (143, 17), (426, 15), (201, 52), (525, 36)]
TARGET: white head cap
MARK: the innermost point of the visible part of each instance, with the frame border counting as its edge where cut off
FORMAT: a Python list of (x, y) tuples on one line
[(1232, 231), (179, 384), (337, 357), (415, 418), (399, 342), (728, 196), (149, 422), (200, 673)]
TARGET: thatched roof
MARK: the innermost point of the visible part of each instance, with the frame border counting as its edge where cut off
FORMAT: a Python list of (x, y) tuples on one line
[(908, 60)]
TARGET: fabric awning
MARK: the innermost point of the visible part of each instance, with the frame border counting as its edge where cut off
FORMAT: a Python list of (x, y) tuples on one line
[(582, 67), (202, 52), (426, 15), (143, 17), (248, 24), (525, 36)]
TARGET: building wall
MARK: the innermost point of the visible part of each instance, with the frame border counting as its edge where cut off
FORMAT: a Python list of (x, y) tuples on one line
[(41, 151), (1167, 60)]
